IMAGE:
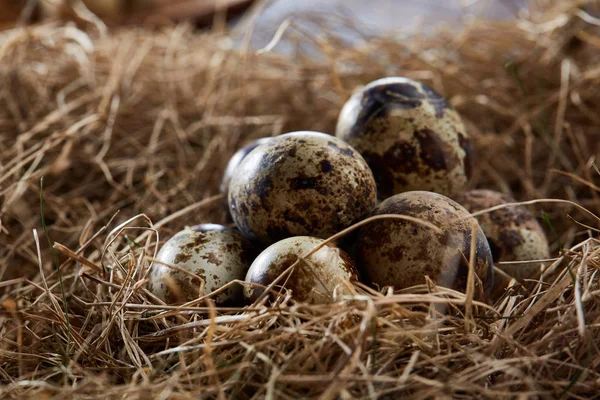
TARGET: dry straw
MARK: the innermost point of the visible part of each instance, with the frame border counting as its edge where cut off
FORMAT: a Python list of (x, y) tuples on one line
[(131, 130)]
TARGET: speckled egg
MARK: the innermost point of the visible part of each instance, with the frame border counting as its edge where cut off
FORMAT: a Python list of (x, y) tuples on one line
[(513, 232), (300, 183), (235, 160), (315, 279), (213, 252), (409, 135), (398, 253)]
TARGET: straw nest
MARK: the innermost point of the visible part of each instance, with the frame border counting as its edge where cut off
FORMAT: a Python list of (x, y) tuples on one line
[(131, 130)]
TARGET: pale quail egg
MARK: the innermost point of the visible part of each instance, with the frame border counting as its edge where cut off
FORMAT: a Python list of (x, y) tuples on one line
[(212, 252), (409, 135), (400, 253), (513, 232), (300, 183), (315, 279)]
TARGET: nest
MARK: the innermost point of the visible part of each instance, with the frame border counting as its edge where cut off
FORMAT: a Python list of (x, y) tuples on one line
[(130, 132)]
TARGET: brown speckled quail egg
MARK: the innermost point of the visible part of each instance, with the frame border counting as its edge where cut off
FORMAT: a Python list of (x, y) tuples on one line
[(399, 253), (215, 253), (513, 232), (315, 279), (235, 160), (409, 135), (300, 183)]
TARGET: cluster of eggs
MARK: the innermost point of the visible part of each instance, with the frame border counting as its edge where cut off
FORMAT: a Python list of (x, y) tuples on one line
[(400, 155)]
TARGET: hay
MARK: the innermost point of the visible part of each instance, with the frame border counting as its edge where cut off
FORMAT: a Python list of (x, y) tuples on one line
[(131, 131)]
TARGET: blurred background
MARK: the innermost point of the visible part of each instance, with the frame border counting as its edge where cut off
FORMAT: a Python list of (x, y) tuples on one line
[(373, 16)]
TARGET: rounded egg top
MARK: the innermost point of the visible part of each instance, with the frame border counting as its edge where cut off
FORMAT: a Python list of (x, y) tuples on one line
[(214, 253), (300, 183), (409, 135), (315, 278)]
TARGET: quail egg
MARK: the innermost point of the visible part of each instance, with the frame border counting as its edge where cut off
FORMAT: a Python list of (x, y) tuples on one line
[(300, 183), (215, 253), (400, 253), (315, 279), (409, 135), (235, 160), (513, 232)]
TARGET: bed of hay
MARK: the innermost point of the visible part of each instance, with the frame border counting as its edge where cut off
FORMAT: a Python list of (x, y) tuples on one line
[(130, 132)]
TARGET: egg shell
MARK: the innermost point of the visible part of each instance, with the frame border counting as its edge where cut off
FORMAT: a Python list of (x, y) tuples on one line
[(215, 253), (398, 253), (513, 233), (409, 135), (315, 279), (235, 161), (300, 183)]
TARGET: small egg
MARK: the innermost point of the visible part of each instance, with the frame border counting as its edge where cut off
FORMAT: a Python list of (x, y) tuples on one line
[(315, 279), (409, 135), (399, 253), (215, 253), (513, 232), (300, 183), (235, 160)]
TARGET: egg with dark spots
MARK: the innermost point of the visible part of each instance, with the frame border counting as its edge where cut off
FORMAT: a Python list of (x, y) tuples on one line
[(400, 253), (512, 232), (409, 135), (300, 183), (318, 278), (213, 253), (235, 160)]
